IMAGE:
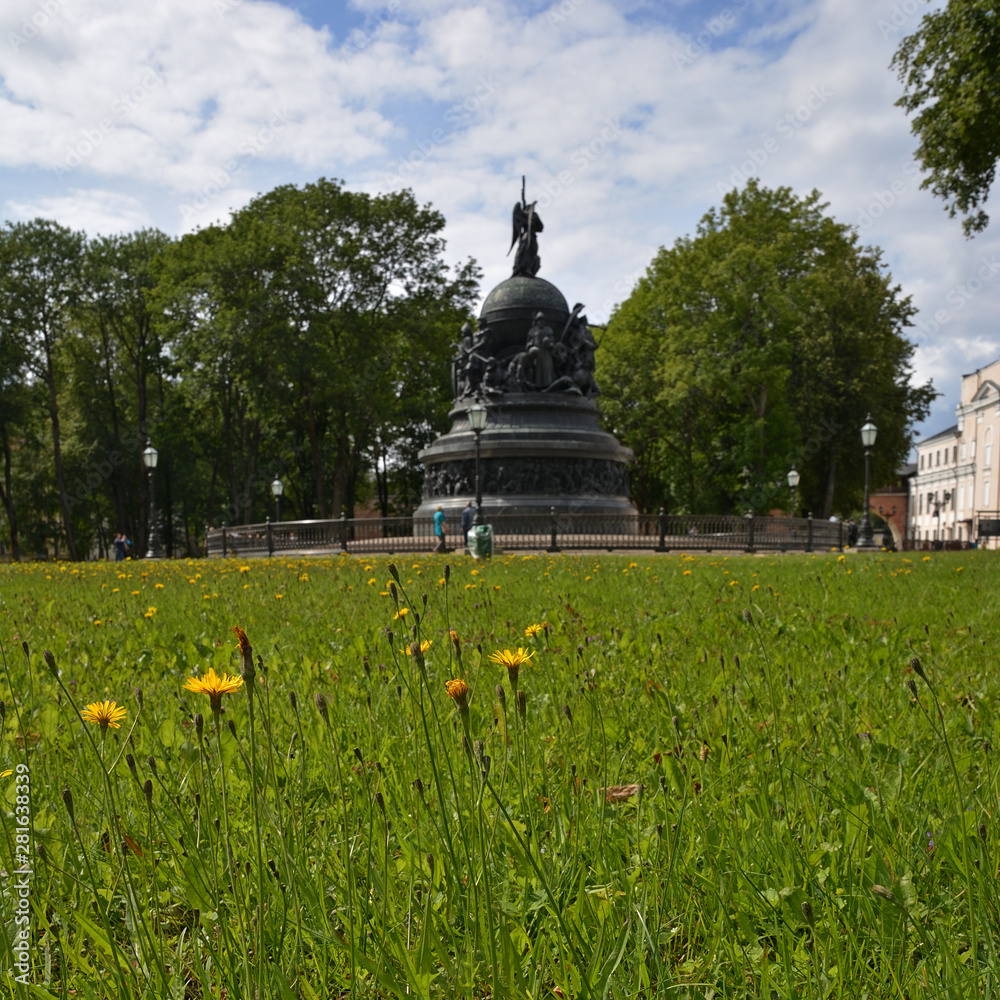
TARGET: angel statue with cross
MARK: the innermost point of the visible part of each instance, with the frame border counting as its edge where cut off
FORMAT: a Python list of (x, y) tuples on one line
[(527, 224)]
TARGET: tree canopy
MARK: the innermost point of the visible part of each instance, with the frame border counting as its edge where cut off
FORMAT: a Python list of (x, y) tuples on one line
[(308, 338), (758, 344), (950, 68)]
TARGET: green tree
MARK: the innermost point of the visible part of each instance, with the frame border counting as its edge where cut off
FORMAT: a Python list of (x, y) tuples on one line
[(758, 344), (950, 69), (41, 266)]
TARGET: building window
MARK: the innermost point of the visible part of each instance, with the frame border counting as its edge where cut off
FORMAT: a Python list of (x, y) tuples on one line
[(921, 463), (961, 497), (972, 447), (954, 454), (987, 447), (921, 504), (937, 457), (963, 451)]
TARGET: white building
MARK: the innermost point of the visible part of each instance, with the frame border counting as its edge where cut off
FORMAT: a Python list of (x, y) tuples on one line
[(953, 493)]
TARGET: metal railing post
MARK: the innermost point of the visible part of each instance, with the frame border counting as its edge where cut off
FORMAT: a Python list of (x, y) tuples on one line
[(343, 531), (553, 544), (840, 534), (809, 533), (662, 547), (750, 527), (270, 536), (208, 551), (225, 550)]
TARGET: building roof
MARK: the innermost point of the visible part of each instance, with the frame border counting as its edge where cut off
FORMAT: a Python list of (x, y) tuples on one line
[(947, 432)]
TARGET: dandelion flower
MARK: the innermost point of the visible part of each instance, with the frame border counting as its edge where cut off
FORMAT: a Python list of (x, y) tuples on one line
[(424, 646), (158, 586), (458, 691), (215, 686), (532, 630), (401, 613), (104, 714), (513, 660)]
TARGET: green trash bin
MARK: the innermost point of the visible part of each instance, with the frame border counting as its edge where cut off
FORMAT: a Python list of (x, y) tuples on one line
[(481, 541)]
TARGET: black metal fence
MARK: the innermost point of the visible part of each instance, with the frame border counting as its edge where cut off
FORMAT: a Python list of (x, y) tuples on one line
[(552, 532)]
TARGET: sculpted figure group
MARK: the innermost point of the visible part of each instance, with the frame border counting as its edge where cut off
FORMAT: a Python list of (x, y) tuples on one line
[(549, 362)]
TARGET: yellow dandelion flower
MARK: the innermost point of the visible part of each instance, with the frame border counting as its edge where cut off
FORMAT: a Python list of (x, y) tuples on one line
[(458, 691), (215, 686), (6, 774), (401, 613), (425, 644), (513, 660), (158, 586), (150, 613), (104, 714), (532, 630), (687, 572), (926, 559), (371, 582), (278, 597), (135, 593), (244, 569), (97, 621)]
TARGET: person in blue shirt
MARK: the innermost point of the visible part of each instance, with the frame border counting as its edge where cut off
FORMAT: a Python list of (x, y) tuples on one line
[(440, 528)]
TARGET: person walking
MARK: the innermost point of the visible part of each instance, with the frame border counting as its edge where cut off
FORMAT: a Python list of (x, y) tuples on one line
[(440, 529), (468, 516), (119, 547)]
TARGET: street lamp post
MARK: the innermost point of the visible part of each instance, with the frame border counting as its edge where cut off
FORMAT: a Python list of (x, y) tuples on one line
[(150, 456), (477, 421), (277, 488), (939, 502), (793, 482), (866, 538)]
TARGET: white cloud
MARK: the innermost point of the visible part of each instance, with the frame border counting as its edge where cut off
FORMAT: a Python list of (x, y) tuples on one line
[(625, 145)]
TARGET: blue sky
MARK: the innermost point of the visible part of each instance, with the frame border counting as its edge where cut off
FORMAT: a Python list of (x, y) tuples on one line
[(630, 119)]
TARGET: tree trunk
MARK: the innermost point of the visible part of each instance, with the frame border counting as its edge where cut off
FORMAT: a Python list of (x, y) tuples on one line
[(60, 477), (831, 486), (316, 457), (6, 494)]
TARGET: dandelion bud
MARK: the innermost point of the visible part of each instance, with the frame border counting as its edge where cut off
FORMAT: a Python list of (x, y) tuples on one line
[(151, 762), (199, 725), (807, 912), (447, 572), (418, 654), (676, 722), (3, 710), (50, 661), (982, 832), (884, 893), (423, 597), (138, 696), (419, 786), (24, 648), (130, 760), (357, 753), (390, 635), (392, 592), (320, 700), (380, 802), (747, 617), (429, 858), (487, 761), (522, 705), (147, 789), (477, 750), (917, 667), (399, 691), (394, 573), (501, 696), (247, 671), (67, 797), (232, 728), (568, 714), (365, 665), (293, 700), (912, 685)]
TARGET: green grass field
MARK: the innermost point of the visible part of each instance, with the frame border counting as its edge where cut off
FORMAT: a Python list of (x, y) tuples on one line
[(715, 777)]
